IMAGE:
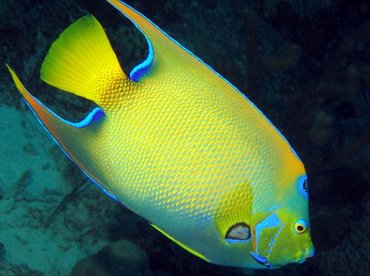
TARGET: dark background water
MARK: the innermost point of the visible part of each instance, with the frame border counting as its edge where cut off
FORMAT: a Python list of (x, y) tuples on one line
[(305, 64)]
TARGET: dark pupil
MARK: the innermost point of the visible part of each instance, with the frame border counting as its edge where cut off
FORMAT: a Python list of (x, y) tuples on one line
[(305, 186), (300, 228)]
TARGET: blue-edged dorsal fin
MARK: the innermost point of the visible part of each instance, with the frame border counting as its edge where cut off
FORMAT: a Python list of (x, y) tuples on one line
[(165, 55), (169, 60)]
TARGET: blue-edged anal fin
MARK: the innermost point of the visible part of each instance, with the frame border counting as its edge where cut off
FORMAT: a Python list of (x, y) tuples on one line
[(76, 139)]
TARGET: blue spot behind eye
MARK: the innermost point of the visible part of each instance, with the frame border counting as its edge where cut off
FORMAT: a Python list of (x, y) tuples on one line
[(302, 185)]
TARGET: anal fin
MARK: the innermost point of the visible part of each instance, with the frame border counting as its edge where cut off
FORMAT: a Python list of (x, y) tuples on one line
[(77, 140), (192, 251)]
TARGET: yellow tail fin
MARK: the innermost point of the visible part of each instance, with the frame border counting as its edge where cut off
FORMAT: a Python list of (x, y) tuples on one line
[(80, 58)]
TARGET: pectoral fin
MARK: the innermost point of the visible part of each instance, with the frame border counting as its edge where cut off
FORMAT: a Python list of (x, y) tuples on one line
[(233, 214)]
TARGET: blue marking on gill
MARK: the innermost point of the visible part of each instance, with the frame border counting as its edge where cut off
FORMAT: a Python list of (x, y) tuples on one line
[(259, 258), (271, 221), (273, 241)]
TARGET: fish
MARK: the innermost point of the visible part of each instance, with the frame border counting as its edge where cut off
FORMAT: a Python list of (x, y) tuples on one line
[(180, 146)]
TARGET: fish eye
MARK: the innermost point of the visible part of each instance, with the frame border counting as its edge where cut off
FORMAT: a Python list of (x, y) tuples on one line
[(300, 226)]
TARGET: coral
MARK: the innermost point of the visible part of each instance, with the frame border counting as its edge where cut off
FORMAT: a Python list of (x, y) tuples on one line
[(57, 210), (88, 266), (16, 270)]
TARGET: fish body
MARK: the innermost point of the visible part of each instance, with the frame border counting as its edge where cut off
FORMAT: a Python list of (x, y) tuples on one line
[(180, 146)]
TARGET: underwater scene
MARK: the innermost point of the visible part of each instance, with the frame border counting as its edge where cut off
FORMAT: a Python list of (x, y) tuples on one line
[(82, 198)]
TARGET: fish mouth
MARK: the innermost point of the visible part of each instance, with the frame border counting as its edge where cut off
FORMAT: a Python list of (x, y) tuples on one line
[(311, 251), (263, 260), (308, 253)]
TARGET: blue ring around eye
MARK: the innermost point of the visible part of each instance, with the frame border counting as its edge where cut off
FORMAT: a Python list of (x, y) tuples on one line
[(301, 222), (302, 186)]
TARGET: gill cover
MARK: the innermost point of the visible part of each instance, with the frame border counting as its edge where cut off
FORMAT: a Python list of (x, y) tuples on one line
[(281, 238)]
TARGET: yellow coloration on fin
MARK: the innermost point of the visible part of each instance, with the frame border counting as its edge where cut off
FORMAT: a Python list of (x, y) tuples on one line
[(79, 59), (181, 244), (234, 207), (18, 83)]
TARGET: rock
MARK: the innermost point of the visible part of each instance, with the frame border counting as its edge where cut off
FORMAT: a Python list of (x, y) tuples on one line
[(88, 266), (16, 270), (120, 258), (2, 251)]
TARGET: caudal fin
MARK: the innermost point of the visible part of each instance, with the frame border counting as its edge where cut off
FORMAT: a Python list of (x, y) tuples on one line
[(82, 60)]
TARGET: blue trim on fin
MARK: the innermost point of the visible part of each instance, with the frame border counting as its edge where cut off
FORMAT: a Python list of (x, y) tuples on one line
[(95, 114), (147, 66), (142, 68), (260, 259)]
